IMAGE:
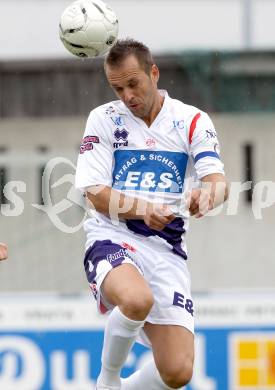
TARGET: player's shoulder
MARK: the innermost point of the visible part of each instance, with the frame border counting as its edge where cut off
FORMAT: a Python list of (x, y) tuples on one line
[(108, 110), (186, 110)]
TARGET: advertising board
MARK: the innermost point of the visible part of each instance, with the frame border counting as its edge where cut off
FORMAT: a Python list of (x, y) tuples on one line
[(54, 343)]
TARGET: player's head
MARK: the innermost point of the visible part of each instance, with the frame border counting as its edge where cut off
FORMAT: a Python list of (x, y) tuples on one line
[(132, 73), (124, 48)]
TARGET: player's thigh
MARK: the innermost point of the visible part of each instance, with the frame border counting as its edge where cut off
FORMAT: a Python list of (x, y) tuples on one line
[(173, 349), (124, 285), (116, 279)]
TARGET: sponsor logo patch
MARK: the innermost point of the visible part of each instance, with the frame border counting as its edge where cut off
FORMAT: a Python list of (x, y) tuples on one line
[(110, 110), (118, 120), (159, 171), (87, 143), (178, 124), (129, 247), (150, 142), (210, 134), (119, 255), (117, 145), (121, 134), (180, 301)]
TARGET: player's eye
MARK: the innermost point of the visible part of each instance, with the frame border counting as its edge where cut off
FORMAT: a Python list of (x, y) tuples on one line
[(118, 89), (133, 84)]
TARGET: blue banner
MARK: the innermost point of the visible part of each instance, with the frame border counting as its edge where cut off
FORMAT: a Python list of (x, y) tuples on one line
[(226, 359)]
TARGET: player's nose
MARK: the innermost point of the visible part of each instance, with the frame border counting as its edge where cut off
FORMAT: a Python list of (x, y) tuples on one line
[(128, 96)]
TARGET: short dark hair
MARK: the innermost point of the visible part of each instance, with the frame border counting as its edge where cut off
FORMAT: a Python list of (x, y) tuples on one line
[(126, 47)]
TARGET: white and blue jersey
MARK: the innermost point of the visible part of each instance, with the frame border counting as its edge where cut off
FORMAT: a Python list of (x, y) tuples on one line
[(156, 163)]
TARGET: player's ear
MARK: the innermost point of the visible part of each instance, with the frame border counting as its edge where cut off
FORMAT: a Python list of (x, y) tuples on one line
[(155, 73)]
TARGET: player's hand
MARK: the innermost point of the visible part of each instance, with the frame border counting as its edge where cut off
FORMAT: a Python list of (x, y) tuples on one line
[(158, 216), (200, 202), (3, 251)]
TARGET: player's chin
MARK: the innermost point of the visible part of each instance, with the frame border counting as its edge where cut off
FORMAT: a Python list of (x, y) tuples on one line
[(137, 110)]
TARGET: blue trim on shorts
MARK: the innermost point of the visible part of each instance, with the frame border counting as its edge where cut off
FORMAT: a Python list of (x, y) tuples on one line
[(103, 250)]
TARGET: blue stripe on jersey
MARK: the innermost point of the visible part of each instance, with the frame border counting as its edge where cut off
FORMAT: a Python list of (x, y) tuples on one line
[(206, 154), (153, 171)]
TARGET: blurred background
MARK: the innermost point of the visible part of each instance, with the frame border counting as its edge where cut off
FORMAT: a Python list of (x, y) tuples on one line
[(218, 55)]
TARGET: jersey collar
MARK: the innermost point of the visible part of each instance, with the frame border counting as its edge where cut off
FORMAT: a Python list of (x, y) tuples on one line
[(163, 109)]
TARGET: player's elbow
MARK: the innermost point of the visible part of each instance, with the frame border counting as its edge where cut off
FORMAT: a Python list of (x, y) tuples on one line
[(98, 197)]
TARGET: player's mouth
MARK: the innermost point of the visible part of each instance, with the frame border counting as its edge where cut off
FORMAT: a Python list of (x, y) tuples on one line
[(134, 106)]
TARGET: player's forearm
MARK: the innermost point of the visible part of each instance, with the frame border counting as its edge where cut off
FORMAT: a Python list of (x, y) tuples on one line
[(217, 187), (213, 192), (110, 202)]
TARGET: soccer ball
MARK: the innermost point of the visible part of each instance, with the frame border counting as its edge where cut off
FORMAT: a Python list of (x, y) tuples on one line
[(88, 28)]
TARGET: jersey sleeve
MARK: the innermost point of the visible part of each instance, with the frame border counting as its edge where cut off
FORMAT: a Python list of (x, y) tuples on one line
[(95, 160), (204, 146)]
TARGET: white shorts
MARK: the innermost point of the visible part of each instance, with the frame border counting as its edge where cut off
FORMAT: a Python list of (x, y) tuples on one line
[(165, 272)]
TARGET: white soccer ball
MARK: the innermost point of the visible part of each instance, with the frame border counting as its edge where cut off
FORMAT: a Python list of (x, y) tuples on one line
[(88, 28)]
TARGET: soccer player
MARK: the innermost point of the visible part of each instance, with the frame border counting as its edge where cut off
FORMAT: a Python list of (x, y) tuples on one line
[(3, 251), (146, 163)]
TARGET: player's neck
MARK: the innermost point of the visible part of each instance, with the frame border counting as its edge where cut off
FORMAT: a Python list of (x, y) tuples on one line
[(156, 107)]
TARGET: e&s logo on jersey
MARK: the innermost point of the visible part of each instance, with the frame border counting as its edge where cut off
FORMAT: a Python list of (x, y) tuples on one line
[(156, 171)]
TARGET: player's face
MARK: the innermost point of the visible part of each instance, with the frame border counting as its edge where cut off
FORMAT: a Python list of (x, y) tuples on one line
[(132, 85)]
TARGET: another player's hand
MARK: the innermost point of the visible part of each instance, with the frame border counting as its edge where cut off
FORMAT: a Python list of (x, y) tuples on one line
[(3, 251), (200, 202), (158, 216)]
